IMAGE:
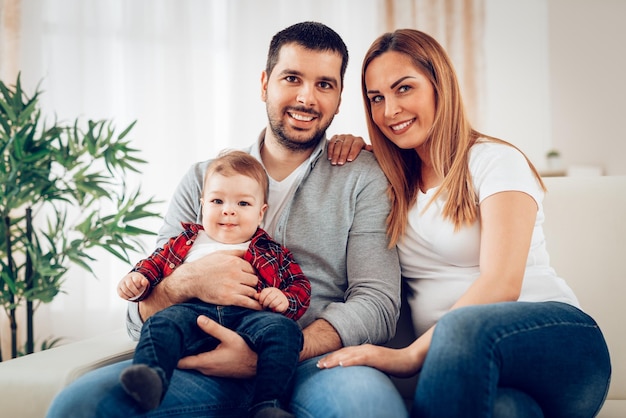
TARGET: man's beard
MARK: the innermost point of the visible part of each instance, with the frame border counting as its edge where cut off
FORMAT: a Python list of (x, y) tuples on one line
[(279, 131)]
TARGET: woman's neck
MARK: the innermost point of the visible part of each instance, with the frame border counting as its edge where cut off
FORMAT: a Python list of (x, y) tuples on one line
[(428, 177)]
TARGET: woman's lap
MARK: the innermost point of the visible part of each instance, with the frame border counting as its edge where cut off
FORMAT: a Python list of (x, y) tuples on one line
[(551, 351)]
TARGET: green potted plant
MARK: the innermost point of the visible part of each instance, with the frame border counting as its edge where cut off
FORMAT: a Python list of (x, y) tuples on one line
[(553, 157), (62, 194)]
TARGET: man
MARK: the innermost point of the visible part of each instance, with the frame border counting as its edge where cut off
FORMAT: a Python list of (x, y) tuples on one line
[(331, 218)]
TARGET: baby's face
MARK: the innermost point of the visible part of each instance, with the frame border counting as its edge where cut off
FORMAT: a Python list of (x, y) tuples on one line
[(232, 207)]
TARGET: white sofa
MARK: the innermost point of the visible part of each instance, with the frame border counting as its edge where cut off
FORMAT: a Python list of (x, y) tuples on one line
[(586, 233)]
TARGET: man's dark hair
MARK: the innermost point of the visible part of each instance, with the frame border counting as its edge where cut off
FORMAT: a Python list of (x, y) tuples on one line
[(310, 35)]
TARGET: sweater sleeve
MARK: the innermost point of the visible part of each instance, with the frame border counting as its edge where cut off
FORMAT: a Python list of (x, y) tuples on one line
[(370, 307), (162, 262), (339, 238), (276, 267), (295, 286)]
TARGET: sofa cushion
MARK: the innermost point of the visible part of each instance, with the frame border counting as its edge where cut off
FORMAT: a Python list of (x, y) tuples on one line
[(586, 238), (28, 384)]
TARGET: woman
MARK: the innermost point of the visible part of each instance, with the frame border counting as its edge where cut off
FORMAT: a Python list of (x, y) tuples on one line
[(500, 334)]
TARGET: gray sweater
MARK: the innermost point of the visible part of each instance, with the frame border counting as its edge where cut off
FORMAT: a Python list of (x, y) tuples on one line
[(335, 228)]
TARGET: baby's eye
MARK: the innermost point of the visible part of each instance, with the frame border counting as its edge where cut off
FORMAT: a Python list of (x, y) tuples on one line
[(242, 203), (217, 201)]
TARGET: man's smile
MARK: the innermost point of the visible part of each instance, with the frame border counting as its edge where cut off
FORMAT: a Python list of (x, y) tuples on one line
[(300, 117)]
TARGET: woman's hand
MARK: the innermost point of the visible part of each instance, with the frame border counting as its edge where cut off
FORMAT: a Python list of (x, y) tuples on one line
[(231, 358), (397, 362), (345, 148)]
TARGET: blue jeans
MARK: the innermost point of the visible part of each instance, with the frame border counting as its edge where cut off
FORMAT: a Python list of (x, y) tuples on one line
[(514, 359), (330, 393), (172, 334)]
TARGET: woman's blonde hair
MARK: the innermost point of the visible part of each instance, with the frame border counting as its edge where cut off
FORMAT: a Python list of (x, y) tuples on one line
[(449, 141)]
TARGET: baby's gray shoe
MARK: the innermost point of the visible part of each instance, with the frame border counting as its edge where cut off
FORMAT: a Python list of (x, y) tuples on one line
[(144, 385), (273, 412)]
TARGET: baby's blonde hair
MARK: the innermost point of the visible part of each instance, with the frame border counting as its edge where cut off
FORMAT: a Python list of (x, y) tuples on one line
[(230, 162)]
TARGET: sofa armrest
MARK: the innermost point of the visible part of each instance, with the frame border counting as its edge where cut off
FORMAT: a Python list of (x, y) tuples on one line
[(29, 383)]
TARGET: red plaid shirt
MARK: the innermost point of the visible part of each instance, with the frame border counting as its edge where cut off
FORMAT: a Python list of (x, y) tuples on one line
[(274, 264)]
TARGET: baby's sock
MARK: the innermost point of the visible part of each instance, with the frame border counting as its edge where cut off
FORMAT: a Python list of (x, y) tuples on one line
[(143, 384), (273, 412)]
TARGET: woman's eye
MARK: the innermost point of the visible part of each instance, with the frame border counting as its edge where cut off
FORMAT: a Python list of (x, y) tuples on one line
[(376, 99), (404, 89)]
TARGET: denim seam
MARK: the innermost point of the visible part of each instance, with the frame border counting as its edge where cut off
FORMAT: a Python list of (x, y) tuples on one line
[(547, 325)]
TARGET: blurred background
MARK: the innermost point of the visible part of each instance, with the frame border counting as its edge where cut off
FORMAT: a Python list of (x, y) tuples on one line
[(542, 74)]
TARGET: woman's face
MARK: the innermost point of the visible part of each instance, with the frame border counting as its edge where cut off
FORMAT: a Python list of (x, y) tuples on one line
[(402, 100)]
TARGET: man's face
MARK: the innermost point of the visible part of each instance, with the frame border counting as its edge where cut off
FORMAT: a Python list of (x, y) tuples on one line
[(302, 95)]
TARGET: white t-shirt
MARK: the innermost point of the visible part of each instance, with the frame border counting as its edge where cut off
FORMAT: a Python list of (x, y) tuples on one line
[(280, 193), (440, 264), (204, 245)]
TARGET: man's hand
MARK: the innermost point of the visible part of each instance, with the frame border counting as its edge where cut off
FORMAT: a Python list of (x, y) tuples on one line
[(319, 338), (231, 358), (221, 278), (224, 278)]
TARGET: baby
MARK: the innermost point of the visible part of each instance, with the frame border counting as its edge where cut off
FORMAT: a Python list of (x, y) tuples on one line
[(234, 200)]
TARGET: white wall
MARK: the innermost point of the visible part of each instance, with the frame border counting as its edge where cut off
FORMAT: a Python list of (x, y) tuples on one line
[(587, 45), (517, 96), (555, 79)]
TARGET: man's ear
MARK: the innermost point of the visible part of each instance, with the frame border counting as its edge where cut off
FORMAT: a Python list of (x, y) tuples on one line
[(264, 80)]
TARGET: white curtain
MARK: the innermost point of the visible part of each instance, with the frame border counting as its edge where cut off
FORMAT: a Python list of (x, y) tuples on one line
[(458, 25), (189, 72), (9, 38)]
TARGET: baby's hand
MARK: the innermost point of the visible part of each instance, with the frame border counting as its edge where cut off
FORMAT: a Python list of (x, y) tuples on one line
[(132, 286), (273, 298)]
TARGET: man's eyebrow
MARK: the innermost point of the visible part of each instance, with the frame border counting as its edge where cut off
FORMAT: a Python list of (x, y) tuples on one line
[(328, 79), (289, 71)]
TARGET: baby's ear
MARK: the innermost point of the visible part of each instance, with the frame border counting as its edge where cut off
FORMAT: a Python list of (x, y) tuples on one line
[(263, 209)]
